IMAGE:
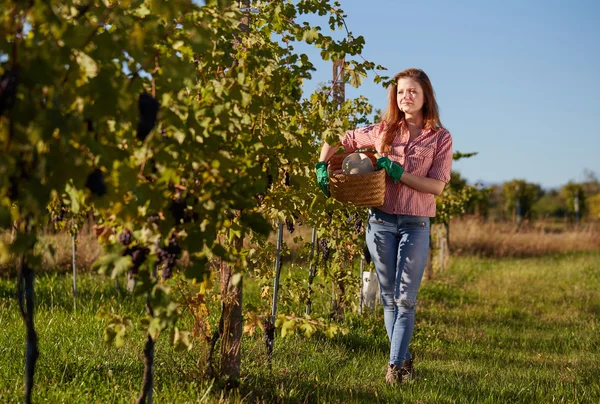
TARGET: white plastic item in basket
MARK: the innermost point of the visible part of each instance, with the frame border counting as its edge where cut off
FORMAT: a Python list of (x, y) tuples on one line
[(357, 163)]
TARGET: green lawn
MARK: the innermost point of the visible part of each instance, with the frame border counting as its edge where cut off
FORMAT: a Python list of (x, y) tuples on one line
[(525, 330)]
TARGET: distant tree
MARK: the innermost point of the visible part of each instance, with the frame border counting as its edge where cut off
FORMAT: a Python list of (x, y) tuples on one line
[(575, 199), (457, 181), (478, 201), (590, 175), (550, 205), (593, 203), (519, 194), (591, 184), (496, 202)]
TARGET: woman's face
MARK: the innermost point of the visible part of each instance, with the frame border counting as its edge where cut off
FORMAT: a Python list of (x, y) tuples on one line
[(410, 96)]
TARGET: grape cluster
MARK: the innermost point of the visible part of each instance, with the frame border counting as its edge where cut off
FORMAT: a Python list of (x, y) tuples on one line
[(324, 245), (148, 107), (358, 226), (167, 257), (269, 335), (350, 218), (289, 225), (155, 218), (126, 237), (8, 89), (355, 220), (59, 214), (286, 179), (95, 182), (138, 256)]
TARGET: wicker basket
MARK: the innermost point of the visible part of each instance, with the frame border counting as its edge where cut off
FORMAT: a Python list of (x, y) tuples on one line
[(358, 189)]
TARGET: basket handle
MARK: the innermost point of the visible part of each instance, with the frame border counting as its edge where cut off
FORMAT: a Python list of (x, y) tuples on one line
[(366, 149)]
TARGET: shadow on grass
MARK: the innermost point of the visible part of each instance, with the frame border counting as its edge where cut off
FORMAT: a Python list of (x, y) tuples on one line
[(117, 373), (442, 293), (356, 341), (54, 292), (288, 389)]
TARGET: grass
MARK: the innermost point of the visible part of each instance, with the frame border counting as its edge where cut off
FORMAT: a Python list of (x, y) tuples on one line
[(488, 330)]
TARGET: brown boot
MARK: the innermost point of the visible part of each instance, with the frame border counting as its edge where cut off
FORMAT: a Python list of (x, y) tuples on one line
[(407, 372), (393, 375)]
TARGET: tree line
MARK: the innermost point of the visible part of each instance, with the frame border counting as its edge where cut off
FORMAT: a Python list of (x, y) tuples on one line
[(519, 199)]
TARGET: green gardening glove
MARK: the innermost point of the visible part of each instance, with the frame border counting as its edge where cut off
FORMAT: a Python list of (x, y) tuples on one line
[(322, 177), (394, 170)]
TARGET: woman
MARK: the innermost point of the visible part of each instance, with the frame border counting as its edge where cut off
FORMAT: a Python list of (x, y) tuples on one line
[(416, 152)]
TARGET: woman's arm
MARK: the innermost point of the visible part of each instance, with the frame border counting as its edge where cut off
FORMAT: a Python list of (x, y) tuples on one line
[(439, 172), (351, 140), (327, 151), (423, 184)]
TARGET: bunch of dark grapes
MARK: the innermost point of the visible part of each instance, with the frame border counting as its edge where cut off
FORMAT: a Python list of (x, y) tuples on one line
[(269, 181), (95, 182), (287, 178), (153, 218), (351, 218), (289, 225), (148, 107), (355, 220), (8, 89), (324, 245), (138, 256), (126, 237), (60, 215), (358, 225), (167, 257), (269, 335)]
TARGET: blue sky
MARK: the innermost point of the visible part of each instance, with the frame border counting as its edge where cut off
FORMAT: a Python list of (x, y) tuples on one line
[(516, 81)]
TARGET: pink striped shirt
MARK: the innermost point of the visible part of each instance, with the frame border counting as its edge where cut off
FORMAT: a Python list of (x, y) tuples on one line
[(428, 155)]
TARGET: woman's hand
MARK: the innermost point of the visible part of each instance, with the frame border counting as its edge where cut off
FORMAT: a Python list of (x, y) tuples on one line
[(322, 177), (394, 170)]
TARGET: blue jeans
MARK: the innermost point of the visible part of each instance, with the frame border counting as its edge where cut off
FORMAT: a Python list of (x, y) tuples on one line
[(399, 246)]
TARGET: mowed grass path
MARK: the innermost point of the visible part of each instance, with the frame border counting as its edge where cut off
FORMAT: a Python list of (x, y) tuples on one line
[(488, 331)]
